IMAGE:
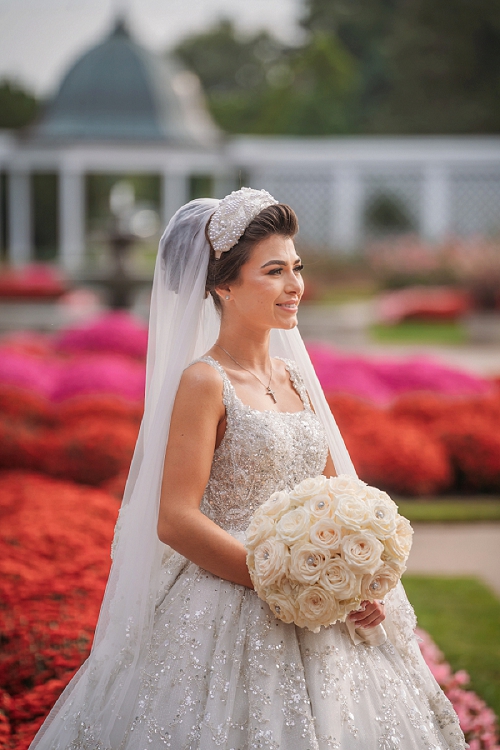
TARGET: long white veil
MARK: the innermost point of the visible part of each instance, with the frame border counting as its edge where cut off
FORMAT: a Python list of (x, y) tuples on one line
[(99, 703)]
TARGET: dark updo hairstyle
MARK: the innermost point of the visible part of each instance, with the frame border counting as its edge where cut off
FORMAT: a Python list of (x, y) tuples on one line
[(277, 219)]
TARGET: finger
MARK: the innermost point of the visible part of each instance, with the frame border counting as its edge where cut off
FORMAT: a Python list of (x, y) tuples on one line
[(366, 609), (372, 615)]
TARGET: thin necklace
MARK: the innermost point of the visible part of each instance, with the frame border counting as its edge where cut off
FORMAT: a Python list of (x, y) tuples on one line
[(269, 390)]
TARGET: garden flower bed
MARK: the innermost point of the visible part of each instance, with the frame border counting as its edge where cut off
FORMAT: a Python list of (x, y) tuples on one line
[(55, 540), (70, 407), (70, 410)]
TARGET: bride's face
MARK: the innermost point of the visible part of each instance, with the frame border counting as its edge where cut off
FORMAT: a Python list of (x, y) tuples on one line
[(269, 287)]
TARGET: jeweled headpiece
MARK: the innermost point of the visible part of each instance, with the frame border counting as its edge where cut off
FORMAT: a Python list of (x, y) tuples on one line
[(233, 214)]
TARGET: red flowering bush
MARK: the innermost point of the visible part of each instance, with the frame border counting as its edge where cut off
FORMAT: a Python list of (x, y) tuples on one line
[(19, 444), (394, 455), (423, 303), (473, 445), (89, 451), (98, 405), (54, 560), (88, 439), (421, 407), (34, 281), (24, 405)]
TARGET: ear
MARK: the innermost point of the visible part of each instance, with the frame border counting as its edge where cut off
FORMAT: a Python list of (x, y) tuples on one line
[(223, 291)]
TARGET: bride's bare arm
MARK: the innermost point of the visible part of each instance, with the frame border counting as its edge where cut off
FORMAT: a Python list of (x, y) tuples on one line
[(197, 413)]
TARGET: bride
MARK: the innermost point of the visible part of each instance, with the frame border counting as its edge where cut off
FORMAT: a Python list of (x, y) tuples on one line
[(186, 656)]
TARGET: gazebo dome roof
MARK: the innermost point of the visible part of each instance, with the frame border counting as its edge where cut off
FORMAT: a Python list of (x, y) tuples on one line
[(119, 90)]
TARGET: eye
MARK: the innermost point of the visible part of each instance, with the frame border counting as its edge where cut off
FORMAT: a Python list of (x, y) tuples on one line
[(299, 268), (275, 272)]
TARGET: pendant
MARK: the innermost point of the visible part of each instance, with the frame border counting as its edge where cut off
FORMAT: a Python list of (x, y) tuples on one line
[(270, 392)]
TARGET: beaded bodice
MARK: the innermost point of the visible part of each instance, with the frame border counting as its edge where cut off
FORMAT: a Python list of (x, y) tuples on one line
[(261, 452)]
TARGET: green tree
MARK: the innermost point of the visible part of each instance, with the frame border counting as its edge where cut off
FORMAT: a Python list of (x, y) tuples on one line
[(443, 61), (17, 107), (425, 66), (258, 85)]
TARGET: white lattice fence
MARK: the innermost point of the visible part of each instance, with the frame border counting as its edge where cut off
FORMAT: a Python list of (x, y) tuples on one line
[(309, 196), (391, 203), (474, 203)]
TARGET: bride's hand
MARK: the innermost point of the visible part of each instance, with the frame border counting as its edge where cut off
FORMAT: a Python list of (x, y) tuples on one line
[(368, 615)]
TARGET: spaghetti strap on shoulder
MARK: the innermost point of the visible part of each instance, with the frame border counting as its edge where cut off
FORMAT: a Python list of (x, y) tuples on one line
[(227, 387), (297, 381)]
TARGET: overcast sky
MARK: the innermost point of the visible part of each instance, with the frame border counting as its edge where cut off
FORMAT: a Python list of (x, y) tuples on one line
[(40, 38)]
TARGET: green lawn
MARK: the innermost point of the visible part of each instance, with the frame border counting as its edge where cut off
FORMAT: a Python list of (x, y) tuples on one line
[(455, 510), (419, 332), (463, 617)]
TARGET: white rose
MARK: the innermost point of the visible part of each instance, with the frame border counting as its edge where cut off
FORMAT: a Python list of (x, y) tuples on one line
[(259, 528), (383, 516), (320, 506), (277, 504), (306, 563), (396, 565), (326, 534), (293, 526), (337, 578), (378, 585), (398, 545), (345, 484), (270, 562), (373, 492), (309, 488), (352, 512), (316, 607), (362, 552), (281, 605)]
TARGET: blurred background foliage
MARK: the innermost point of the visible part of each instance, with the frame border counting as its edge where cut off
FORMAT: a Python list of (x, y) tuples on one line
[(363, 67)]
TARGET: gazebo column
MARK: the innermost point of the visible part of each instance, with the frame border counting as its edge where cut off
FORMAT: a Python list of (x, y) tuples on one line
[(175, 192), (435, 213), (71, 219), (346, 218), (19, 217)]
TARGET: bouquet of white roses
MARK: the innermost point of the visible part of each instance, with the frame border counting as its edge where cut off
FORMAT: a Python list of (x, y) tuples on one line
[(317, 552)]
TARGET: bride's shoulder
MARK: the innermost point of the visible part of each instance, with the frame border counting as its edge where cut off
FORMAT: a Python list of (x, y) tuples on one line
[(202, 378)]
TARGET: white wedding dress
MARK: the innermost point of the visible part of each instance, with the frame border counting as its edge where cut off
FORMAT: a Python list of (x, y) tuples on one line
[(223, 673)]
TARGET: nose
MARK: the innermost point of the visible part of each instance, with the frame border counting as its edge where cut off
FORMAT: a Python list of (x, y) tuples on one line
[(294, 284)]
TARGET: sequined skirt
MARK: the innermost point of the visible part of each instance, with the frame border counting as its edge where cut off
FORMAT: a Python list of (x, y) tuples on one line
[(223, 672)]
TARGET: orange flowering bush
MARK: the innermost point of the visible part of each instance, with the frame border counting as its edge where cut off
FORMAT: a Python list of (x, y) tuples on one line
[(54, 561)]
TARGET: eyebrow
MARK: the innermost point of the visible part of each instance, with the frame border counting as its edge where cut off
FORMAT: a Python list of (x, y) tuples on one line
[(279, 263)]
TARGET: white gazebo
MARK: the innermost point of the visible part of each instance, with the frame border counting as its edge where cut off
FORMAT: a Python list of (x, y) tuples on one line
[(119, 109)]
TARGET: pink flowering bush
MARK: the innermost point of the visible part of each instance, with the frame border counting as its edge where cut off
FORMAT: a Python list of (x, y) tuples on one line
[(478, 721), (382, 380), (116, 375), (58, 379), (116, 332)]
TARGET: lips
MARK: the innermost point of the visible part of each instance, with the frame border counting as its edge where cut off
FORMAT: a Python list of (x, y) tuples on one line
[(293, 306)]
